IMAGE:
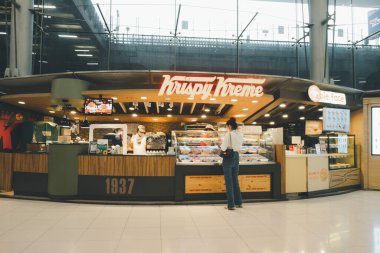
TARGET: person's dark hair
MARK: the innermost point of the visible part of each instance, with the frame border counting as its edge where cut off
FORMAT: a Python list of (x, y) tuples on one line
[(232, 122)]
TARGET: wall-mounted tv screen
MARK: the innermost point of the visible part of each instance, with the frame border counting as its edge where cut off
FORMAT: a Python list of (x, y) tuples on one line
[(98, 106)]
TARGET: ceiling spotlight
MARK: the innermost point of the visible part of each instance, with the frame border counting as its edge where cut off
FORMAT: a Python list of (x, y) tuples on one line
[(285, 116), (116, 118), (73, 112), (267, 115), (131, 108), (255, 123), (301, 107), (234, 100), (203, 116), (245, 109), (169, 116), (170, 109), (190, 98), (143, 98), (193, 120), (207, 110), (167, 99), (255, 101), (320, 109), (282, 105), (52, 111), (134, 115), (21, 102), (155, 119), (114, 98), (212, 99), (272, 122), (321, 118), (302, 118)]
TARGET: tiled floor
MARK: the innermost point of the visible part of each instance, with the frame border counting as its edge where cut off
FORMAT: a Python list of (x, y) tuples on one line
[(344, 223)]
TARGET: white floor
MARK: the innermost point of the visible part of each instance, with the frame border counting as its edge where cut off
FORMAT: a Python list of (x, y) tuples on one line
[(344, 223)]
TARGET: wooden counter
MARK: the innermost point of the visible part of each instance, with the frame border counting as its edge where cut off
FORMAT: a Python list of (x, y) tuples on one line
[(130, 165), (5, 172), (30, 162)]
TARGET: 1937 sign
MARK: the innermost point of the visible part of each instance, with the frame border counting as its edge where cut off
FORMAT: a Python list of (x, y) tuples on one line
[(119, 186)]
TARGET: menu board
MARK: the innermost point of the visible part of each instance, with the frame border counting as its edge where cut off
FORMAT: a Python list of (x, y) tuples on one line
[(98, 106), (337, 120), (342, 144), (375, 130), (313, 127)]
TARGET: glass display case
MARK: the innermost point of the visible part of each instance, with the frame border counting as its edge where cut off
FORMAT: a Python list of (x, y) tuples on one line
[(197, 146), (341, 150)]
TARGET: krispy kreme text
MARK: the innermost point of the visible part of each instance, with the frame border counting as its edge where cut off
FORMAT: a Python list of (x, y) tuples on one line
[(211, 86)]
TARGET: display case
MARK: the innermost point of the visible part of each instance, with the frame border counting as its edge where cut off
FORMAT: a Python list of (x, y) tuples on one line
[(197, 146), (341, 150)]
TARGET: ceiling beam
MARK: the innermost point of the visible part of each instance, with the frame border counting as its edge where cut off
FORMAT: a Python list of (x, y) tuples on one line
[(123, 107), (158, 107), (146, 107), (181, 108)]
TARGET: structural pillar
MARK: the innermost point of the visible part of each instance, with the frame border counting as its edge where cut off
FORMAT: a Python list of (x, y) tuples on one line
[(21, 42), (318, 16)]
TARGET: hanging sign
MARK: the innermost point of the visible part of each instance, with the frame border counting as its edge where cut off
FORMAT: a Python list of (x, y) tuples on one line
[(212, 86), (328, 97)]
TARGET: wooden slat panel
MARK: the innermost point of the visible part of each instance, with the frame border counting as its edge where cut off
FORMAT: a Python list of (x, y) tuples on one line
[(36, 163), (5, 172), (281, 159), (126, 165)]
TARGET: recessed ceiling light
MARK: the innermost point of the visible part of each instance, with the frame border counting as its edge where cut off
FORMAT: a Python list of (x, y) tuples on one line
[(234, 100), (207, 110), (73, 112), (52, 111), (190, 98), (204, 116), (302, 118), (170, 109), (85, 55), (143, 98), (255, 101), (134, 115), (116, 118), (3, 33), (131, 108), (82, 50), (272, 122), (240, 115), (320, 109), (255, 123), (69, 36), (193, 120), (92, 63), (167, 99), (114, 98), (155, 119), (267, 115), (169, 115), (76, 117), (285, 116), (212, 99), (282, 105), (245, 109), (321, 118), (301, 107), (21, 102), (44, 6)]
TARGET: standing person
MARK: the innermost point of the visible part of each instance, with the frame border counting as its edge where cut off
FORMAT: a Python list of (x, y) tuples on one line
[(233, 140), (139, 141)]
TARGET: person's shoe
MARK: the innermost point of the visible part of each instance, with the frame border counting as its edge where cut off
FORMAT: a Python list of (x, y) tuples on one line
[(239, 206), (230, 208)]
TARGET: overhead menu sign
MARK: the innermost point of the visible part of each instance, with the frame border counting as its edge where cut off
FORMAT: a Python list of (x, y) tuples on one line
[(207, 87), (373, 21), (375, 130), (337, 120), (328, 97)]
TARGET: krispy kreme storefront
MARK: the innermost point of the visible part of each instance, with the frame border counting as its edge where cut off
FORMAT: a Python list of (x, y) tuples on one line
[(90, 153)]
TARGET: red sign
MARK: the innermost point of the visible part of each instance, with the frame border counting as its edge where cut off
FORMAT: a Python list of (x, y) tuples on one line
[(212, 86)]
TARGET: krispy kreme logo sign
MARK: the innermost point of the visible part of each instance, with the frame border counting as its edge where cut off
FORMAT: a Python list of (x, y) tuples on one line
[(211, 86)]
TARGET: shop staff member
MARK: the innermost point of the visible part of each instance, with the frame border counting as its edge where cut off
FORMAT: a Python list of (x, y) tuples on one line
[(139, 141), (233, 140)]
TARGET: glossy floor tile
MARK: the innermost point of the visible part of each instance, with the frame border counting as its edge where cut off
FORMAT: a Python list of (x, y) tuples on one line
[(336, 224)]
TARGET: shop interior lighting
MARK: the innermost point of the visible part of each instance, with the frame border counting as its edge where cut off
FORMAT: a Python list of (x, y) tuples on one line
[(45, 6), (68, 36), (59, 108), (82, 50), (255, 123), (134, 115), (131, 108), (203, 116), (169, 115), (245, 109), (321, 118), (143, 98), (234, 100), (302, 118), (92, 63), (255, 101), (267, 115), (170, 109), (73, 112), (193, 120), (272, 122), (285, 116), (21, 102), (114, 98), (116, 118), (51, 111), (207, 110), (212, 99), (155, 119), (85, 55), (3, 33), (167, 99), (320, 109), (282, 105), (190, 98), (301, 107)]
